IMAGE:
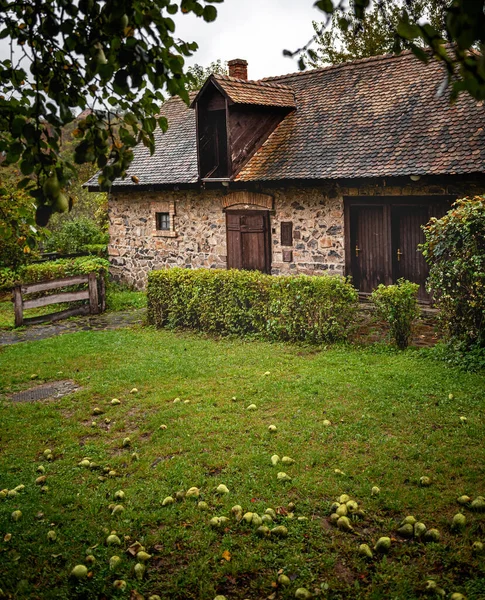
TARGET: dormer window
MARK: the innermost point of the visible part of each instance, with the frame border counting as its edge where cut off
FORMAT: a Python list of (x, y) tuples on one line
[(234, 118), (212, 130)]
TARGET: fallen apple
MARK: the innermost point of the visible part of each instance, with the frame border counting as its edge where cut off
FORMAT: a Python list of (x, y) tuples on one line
[(140, 571), (113, 540), (167, 501), (119, 495), (478, 504), (286, 460), (115, 402), (79, 572), (375, 491), (406, 531), (284, 580), (252, 407), (203, 505), (365, 551), (279, 531), (326, 423), (458, 523), (432, 535), (424, 481), (41, 469), (120, 584), (283, 476), (343, 523), (222, 489), (263, 531), (271, 512), (16, 515), (192, 492), (275, 459), (302, 594), (114, 563), (163, 426), (464, 500), (97, 411), (143, 556), (383, 545), (51, 536), (477, 548), (133, 391), (419, 530), (272, 429), (117, 510), (126, 442), (409, 520)]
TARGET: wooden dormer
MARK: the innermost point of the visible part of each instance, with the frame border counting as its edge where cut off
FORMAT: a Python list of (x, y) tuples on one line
[(234, 118)]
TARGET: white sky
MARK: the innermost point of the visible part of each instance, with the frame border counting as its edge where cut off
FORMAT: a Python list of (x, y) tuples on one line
[(256, 30)]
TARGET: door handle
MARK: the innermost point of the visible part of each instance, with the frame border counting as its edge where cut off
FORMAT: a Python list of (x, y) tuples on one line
[(399, 254), (357, 250)]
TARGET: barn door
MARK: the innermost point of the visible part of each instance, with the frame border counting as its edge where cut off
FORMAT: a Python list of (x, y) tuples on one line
[(369, 254), (248, 240), (407, 261)]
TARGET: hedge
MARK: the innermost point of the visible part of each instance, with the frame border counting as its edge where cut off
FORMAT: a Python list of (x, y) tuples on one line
[(291, 308), (64, 267)]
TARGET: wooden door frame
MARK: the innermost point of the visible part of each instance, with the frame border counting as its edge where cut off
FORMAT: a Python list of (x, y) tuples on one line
[(267, 232), (387, 202)]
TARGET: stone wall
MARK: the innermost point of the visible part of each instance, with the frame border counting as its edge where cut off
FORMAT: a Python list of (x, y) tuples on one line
[(197, 235)]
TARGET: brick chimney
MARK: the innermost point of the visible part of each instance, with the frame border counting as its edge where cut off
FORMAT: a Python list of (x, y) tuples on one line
[(238, 68)]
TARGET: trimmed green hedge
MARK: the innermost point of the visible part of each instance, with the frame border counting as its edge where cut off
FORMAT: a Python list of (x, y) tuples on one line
[(291, 308), (64, 267)]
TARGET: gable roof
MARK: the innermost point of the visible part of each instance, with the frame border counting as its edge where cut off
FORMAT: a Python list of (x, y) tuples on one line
[(375, 117), (261, 93)]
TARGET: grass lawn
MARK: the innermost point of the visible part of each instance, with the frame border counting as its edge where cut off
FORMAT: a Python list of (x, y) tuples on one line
[(392, 422)]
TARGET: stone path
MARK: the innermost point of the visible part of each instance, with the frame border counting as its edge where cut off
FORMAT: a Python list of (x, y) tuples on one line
[(106, 321)]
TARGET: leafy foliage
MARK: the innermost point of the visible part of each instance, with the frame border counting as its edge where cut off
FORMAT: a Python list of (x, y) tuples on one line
[(18, 231), (351, 38), (398, 305), (64, 267), (303, 308), (413, 26), (103, 57), (455, 251), (75, 236), (197, 74)]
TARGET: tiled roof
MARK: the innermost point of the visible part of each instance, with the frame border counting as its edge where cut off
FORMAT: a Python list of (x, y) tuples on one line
[(256, 92), (373, 117), (175, 157)]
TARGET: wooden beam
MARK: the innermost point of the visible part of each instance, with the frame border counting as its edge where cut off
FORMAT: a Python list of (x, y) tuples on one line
[(45, 286), (57, 298), (63, 314), (93, 294), (18, 306)]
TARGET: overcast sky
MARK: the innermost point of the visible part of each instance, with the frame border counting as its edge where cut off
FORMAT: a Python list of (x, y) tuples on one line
[(256, 30)]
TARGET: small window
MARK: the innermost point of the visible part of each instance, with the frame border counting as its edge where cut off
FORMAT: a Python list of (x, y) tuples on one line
[(287, 233), (162, 221)]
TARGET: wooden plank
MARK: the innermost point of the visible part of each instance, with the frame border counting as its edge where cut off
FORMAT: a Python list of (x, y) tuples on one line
[(57, 298), (63, 314), (93, 294), (287, 233), (102, 292), (18, 306), (44, 286)]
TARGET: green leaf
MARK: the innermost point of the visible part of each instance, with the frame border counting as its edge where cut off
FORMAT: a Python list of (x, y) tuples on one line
[(209, 14)]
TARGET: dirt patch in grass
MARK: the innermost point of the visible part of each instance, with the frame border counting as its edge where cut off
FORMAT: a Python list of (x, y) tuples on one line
[(53, 390)]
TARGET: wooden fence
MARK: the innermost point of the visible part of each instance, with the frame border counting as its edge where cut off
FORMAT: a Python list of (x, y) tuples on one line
[(95, 293)]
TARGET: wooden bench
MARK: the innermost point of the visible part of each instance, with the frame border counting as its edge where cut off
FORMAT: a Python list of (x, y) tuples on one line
[(95, 293)]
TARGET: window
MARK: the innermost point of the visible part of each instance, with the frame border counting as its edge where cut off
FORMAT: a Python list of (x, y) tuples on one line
[(162, 220)]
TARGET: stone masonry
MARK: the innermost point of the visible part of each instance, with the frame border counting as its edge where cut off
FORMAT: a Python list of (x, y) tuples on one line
[(197, 235)]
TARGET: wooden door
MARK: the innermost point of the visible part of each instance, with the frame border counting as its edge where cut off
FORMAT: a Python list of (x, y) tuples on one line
[(248, 240), (369, 246), (407, 261)]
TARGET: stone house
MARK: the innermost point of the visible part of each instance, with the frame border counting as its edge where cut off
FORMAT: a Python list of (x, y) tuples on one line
[(332, 170)]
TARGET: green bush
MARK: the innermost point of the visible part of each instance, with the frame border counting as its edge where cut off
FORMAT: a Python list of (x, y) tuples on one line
[(455, 251), (310, 309), (64, 267), (302, 308), (398, 305), (74, 235), (7, 278)]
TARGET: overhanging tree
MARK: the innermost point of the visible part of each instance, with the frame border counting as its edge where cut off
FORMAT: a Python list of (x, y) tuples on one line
[(113, 57)]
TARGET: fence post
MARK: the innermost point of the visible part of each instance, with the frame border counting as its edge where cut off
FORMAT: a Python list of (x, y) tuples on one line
[(18, 306), (102, 291), (93, 294)]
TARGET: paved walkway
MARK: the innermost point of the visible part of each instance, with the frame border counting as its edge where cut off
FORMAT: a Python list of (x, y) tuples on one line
[(106, 321)]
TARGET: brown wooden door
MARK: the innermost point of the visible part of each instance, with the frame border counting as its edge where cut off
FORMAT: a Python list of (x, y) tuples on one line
[(248, 240), (369, 247), (407, 261)]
